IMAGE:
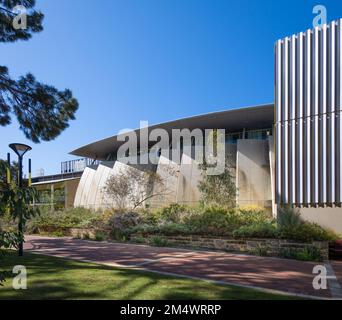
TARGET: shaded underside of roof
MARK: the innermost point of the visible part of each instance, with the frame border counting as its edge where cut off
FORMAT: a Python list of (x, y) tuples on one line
[(233, 120)]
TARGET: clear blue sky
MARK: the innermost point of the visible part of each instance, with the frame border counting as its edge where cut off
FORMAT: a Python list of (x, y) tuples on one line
[(154, 60)]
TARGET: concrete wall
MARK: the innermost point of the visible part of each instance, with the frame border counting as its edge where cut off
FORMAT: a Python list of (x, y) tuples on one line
[(165, 167), (253, 178), (326, 217), (70, 192), (188, 180), (249, 159)]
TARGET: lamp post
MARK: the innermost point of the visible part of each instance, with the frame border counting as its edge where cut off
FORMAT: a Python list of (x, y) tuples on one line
[(20, 149)]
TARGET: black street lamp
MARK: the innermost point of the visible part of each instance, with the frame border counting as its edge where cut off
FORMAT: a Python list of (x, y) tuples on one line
[(20, 149)]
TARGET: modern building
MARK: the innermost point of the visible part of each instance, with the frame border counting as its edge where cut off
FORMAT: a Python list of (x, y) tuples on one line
[(58, 191), (284, 153), (248, 143)]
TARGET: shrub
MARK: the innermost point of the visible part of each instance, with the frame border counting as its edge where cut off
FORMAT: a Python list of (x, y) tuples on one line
[(259, 230), (164, 229), (100, 236), (173, 213), (151, 217), (307, 232), (212, 221), (70, 218), (288, 218), (309, 253), (158, 242), (120, 223), (220, 221), (253, 215), (260, 250), (139, 240)]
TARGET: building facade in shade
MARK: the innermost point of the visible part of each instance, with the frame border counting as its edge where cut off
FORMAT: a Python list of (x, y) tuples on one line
[(248, 146)]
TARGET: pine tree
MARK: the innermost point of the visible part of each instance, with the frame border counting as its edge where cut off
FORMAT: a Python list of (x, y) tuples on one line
[(42, 111)]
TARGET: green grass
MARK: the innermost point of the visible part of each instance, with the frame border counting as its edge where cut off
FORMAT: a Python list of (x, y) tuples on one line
[(55, 278)]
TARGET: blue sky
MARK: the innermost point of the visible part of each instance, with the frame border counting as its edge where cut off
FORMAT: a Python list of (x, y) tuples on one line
[(154, 60)]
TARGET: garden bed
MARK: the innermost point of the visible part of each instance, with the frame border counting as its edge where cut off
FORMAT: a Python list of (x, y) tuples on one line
[(316, 250)]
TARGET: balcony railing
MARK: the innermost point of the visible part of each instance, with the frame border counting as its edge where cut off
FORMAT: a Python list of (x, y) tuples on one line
[(77, 165)]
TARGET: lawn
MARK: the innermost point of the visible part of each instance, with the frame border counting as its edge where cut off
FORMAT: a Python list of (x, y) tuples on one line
[(56, 278)]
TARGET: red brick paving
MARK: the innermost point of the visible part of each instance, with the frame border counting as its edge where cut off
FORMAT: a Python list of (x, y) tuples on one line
[(337, 266), (270, 273)]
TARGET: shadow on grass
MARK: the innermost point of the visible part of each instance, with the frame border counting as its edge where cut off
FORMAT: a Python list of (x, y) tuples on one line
[(55, 278)]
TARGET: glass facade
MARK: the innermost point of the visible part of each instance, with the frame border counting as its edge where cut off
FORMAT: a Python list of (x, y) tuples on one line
[(260, 134)]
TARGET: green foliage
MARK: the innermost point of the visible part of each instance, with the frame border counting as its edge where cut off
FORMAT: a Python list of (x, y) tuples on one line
[(260, 250), (57, 234), (291, 226), (308, 232), (70, 218), (258, 230), (254, 215), (220, 221), (86, 236), (139, 240), (213, 221), (13, 169), (42, 111), (34, 20), (173, 212), (309, 253), (158, 242), (288, 218), (15, 207), (100, 236), (8, 240), (120, 222), (218, 190)]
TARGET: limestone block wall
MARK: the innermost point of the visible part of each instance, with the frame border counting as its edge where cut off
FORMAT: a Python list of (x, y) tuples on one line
[(253, 177), (272, 247)]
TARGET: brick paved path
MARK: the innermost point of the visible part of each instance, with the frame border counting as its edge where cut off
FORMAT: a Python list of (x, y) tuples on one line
[(264, 272)]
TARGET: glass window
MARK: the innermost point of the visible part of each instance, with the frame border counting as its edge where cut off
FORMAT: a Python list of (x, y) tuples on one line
[(233, 137)]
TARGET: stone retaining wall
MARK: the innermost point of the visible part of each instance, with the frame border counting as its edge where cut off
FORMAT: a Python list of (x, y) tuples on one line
[(270, 247)]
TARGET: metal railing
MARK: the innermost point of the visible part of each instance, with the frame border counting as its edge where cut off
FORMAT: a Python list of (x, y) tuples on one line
[(77, 165)]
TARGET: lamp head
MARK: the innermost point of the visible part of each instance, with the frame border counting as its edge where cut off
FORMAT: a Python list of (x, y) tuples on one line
[(19, 148)]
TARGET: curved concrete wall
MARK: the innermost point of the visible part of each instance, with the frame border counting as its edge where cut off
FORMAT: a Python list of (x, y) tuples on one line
[(170, 182), (83, 187), (106, 170), (249, 160)]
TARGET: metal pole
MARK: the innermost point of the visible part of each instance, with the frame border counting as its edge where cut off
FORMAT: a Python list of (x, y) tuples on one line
[(9, 168), (30, 172), (20, 224)]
